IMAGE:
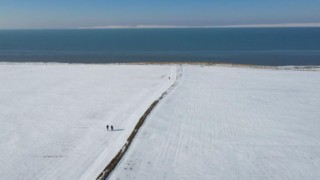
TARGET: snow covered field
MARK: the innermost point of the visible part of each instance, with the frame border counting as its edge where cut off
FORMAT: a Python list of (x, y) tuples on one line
[(231, 123), (218, 123), (53, 116)]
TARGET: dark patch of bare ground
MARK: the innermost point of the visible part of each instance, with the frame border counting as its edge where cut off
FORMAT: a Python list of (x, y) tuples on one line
[(113, 163)]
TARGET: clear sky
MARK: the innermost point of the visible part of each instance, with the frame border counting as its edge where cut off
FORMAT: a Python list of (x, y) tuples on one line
[(21, 14)]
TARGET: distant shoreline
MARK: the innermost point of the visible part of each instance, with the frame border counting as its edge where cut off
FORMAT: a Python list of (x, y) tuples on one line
[(287, 67), (311, 25), (285, 25), (163, 28)]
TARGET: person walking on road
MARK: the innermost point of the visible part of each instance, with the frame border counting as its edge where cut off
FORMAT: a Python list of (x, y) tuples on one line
[(107, 127), (111, 128)]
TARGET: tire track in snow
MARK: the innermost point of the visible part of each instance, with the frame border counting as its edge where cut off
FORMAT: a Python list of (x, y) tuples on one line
[(113, 163)]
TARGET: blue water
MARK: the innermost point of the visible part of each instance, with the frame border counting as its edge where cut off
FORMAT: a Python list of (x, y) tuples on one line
[(260, 46)]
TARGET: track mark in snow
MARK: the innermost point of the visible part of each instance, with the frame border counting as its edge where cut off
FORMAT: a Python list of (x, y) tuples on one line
[(112, 165)]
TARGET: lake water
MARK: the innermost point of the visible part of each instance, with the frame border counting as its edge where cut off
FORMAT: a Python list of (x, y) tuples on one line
[(260, 46)]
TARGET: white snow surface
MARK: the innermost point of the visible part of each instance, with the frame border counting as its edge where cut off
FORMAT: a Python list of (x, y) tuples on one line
[(229, 123), (53, 116)]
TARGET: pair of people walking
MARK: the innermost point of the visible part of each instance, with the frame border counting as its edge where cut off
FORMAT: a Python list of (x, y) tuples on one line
[(111, 127)]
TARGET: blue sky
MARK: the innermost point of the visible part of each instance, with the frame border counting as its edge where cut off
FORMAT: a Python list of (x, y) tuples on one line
[(22, 14)]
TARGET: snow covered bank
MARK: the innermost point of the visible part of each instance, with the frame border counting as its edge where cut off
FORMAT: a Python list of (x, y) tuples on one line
[(231, 123), (53, 117)]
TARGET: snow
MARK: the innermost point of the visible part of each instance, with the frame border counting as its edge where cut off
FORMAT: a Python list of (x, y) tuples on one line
[(218, 122), (231, 123), (53, 116)]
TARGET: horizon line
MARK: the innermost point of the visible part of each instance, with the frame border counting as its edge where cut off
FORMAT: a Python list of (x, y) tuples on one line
[(279, 25), (282, 25)]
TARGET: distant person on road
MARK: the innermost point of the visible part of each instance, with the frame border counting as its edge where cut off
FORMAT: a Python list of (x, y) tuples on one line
[(111, 128), (107, 127)]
